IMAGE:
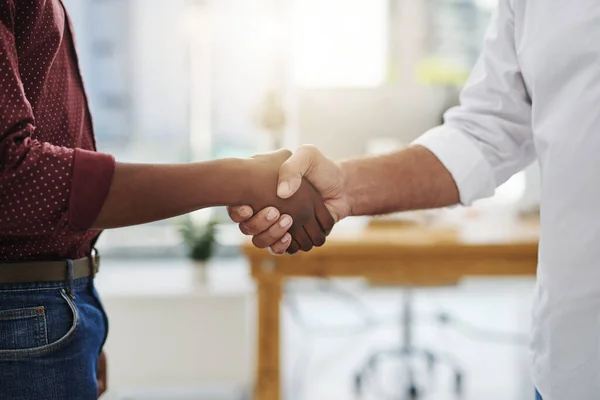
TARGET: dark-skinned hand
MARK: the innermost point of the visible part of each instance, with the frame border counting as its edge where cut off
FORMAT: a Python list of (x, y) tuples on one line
[(312, 222)]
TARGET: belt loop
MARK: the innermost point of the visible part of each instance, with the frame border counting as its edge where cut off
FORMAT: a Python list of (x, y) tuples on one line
[(70, 278)]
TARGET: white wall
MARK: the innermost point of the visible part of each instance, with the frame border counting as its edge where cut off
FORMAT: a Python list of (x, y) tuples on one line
[(171, 326), (341, 122), (179, 341), (160, 53)]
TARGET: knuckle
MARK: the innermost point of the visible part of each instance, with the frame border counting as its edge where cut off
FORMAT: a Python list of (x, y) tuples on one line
[(277, 249), (320, 241), (276, 232), (286, 152), (233, 214), (328, 225), (244, 229), (292, 249), (262, 215), (253, 226), (306, 246), (257, 241), (266, 239), (304, 215), (271, 239), (236, 218), (309, 147)]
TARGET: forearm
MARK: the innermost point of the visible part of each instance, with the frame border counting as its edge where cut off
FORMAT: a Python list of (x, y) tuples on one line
[(410, 179), (142, 193)]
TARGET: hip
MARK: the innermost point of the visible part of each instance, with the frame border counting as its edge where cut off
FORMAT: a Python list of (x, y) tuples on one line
[(50, 337)]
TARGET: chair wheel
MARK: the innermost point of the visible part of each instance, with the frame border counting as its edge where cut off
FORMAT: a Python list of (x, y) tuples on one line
[(358, 380), (413, 392), (458, 383), (430, 362)]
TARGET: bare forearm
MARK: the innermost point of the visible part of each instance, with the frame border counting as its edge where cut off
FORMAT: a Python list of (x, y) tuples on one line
[(410, 179), (142, 193)]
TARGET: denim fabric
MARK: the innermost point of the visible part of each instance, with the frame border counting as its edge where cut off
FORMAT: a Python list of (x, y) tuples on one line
[(50, 340), (538, 396)]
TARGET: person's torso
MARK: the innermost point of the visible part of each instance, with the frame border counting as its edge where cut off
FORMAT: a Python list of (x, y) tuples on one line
[(49, 71), (50, 74), (558, 48)]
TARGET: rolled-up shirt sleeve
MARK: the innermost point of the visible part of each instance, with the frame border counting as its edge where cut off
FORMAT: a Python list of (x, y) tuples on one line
[(488, 137), (43, 188)]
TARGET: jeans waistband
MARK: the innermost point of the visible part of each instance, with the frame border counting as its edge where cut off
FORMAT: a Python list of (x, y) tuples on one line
[(40, 286)]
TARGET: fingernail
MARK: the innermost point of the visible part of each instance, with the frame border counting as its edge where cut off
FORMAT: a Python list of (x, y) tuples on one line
[(285, 221), (272, 252), (272, 214), (285, 239), (245, 212), (283, 188)]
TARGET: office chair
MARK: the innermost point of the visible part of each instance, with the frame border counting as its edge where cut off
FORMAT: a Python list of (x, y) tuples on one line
[(408, 352)]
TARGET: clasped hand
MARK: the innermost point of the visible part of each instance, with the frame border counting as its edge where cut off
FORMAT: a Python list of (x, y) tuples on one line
[(311, 220), (305, 187)]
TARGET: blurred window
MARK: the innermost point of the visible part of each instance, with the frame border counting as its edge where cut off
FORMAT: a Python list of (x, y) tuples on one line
[(340, 43), (175, 81), (135, 62), (182, 80), (457, 28)]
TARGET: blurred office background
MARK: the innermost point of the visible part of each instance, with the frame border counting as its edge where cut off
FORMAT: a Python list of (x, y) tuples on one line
[(186, 80)]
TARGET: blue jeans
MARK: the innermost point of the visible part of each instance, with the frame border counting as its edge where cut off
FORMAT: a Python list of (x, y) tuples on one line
[(50, 337), (538, 396)]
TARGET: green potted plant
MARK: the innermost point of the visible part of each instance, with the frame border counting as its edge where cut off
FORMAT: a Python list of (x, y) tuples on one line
[(199, 242)]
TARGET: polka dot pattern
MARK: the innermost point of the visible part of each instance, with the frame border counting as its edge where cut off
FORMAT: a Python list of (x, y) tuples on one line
[(44, 117)]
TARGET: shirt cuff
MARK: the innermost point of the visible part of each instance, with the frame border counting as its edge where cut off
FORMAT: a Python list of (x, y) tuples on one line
[(92, 176), (470, 170)]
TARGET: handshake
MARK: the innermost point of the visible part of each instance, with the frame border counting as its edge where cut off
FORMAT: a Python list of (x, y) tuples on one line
[(291, 201)]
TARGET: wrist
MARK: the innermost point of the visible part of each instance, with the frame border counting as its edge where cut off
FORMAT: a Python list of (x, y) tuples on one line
[(348, 187), (246, 173), (224, 182)]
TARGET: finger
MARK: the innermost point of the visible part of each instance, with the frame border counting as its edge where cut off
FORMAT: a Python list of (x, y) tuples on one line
[(260, 222), (239, 213), (101, 388), (279, 247), (294, 247), (324, 217), (299, 235), (314, 232), (275, 233), (294, 168), (102, 374)]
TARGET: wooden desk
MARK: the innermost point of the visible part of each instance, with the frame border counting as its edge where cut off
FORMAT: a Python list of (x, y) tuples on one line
[(411, 255)]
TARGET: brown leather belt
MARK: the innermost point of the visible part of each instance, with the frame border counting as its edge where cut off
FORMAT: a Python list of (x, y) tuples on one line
[(47, 271)]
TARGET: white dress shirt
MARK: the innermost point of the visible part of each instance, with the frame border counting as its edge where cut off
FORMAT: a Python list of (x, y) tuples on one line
[(535, 92)]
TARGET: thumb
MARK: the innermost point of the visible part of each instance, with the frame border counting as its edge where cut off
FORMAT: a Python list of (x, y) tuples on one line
[(292, 171)]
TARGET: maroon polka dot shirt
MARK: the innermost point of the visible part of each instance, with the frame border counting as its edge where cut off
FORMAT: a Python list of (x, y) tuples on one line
[(52, 182)]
